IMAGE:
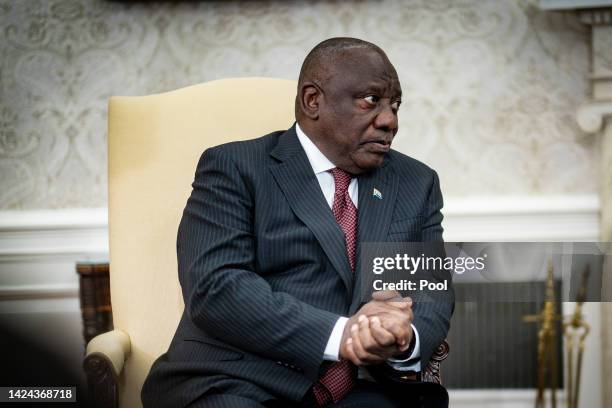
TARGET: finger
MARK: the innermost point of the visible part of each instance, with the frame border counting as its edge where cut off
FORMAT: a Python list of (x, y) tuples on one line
[(380, 334), (399, 327), (374, 307), (405, 347), (408, 341), (368, 342), (395, 301), (361, 353), (384, 295), (401, 303), (403, 316), (350, 351)]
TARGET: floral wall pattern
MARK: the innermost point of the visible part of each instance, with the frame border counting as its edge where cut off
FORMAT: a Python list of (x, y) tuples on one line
[(490, 87)]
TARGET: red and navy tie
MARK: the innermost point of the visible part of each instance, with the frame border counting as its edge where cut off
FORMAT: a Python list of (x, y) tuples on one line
[(340, 377)]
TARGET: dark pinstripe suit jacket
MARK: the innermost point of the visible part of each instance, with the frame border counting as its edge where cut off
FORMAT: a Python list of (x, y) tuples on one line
[(264, 271)]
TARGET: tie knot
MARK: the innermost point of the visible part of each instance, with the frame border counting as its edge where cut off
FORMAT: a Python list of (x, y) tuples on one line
[(341, 178)]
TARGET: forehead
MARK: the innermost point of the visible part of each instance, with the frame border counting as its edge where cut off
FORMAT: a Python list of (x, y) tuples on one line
[(362, 70)]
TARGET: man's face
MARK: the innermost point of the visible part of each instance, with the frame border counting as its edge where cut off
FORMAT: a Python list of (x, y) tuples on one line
[(358, 111)]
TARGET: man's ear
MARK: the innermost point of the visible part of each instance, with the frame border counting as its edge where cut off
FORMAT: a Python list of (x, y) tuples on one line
[(310, 95)]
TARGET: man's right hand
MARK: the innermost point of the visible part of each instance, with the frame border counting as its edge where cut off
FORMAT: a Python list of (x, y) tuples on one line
[(379, 330)]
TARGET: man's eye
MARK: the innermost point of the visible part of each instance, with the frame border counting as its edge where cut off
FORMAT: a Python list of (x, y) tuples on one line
[(395, 105), (372, 99)]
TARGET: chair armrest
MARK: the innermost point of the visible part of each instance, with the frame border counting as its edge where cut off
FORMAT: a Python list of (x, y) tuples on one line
[(114, 345), (432, 371), (103, 363)]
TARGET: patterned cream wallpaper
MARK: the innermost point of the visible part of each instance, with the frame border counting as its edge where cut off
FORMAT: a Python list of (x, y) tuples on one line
[(490, 86)]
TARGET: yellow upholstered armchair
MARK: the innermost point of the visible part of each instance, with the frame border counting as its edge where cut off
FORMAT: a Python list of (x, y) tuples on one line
[(154, 145)]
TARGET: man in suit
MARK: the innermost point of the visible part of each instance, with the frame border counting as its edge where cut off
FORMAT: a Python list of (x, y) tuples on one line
[(268, 254)]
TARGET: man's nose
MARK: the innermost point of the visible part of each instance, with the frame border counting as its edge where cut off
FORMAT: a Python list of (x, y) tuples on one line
[(386, 118)]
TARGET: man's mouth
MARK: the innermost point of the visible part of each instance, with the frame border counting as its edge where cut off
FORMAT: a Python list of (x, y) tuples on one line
[(378, 145)]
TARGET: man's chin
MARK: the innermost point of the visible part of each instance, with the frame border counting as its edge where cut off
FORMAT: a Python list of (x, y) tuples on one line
[(370, 163)]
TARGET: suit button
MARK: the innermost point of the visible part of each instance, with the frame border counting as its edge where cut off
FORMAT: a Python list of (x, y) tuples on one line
[(279, 363)]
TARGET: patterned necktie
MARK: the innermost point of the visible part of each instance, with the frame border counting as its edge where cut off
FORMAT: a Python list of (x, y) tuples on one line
[(345, 212), (340, 377)]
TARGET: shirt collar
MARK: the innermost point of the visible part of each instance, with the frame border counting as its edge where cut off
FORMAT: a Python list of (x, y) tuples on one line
[(317, 160)]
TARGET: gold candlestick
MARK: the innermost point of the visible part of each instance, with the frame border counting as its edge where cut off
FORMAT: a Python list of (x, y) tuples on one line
[(576, 327), (547, 345)]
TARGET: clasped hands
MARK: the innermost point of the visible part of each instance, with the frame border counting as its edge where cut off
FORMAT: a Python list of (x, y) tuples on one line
[(380, 330)]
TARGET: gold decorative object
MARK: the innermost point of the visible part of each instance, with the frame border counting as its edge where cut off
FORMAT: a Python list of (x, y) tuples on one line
[(575, 331), (547, 344), (576, 328)]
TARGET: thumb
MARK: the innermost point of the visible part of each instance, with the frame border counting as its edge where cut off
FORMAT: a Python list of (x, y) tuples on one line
[(384, 295), (401, 303), (393, 298)]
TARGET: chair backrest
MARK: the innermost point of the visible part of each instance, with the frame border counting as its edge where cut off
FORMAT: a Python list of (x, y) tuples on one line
[(154, 144)]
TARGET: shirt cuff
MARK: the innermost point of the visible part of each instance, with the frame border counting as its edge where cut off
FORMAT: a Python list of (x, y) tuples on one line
[(333, 344), (409, 364)]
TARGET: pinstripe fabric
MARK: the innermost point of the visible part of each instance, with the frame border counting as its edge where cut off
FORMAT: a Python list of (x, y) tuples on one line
[(264, 272)]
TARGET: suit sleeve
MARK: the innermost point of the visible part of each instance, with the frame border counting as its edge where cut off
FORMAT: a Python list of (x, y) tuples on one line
[(223, 293), (432, 315)]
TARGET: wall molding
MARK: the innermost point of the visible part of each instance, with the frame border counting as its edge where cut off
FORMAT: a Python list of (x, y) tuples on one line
[(39, 250), (39, 234), (60, 219), (40, 291), (573, 4), (523, 218)]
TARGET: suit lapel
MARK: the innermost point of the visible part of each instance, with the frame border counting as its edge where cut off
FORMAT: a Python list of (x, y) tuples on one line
[(295, 177), (377, 196)]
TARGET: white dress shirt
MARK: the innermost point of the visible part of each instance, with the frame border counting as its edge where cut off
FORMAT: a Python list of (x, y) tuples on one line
[(321, 166)]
